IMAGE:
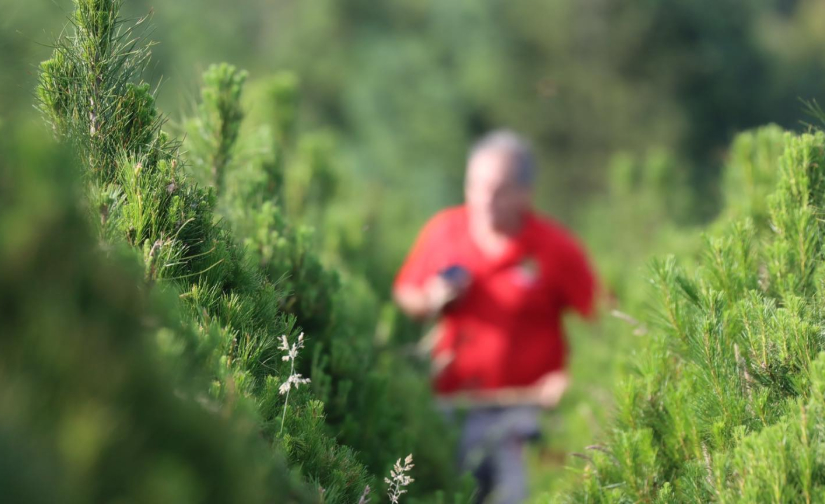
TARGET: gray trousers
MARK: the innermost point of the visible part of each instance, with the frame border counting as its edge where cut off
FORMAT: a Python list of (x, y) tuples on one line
[(492, 449)]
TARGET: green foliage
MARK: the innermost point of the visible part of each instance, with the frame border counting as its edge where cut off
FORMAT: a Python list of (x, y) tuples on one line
[(221, 115), (143, 198), (242, 298), (648, 209), (752, 172), (581, 79), (726, 404), (410, 83), (404, 88), (349, 374), (89, 93), (93, 409)]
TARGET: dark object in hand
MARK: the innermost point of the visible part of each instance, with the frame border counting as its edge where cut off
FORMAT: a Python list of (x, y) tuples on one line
[(456, 275)]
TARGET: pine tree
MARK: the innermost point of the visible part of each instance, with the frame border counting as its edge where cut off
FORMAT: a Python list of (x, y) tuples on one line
[(238, 298), (93, 96), (92, 409), (725, 404), (349, 373)]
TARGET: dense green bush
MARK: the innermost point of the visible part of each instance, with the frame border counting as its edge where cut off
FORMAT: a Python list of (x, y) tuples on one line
[(725, 403), (91, 92), (347, 427), (751, 174), (646, 211), (101, 383), (275, 185)]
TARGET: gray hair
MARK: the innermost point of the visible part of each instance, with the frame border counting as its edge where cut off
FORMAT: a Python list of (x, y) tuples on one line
[(514, 146)]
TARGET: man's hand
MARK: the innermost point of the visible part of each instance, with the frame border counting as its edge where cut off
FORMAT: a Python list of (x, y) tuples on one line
[(436, 293), (441, 291), (546, 393), (550, 389)]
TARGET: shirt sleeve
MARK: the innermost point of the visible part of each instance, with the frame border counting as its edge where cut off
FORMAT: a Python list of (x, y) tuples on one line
[(419, 264), (579, 281)]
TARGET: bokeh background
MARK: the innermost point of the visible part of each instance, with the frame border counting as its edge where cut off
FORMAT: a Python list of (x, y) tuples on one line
[(630, 105)]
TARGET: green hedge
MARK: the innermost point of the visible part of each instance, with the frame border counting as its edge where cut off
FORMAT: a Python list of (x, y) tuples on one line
[(726, 402)]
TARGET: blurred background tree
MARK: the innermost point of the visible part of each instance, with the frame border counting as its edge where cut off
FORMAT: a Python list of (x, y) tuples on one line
[(405, 85)]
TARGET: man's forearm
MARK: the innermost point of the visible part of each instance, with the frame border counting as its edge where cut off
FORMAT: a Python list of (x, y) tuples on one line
[(414, 302)]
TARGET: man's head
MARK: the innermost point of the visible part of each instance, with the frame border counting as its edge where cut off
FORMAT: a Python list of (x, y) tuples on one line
[(498, 185)]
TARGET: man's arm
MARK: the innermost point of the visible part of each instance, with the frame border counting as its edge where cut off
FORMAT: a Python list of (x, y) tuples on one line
[(429, 299), (546, 393), (420, 290), (414, 302)]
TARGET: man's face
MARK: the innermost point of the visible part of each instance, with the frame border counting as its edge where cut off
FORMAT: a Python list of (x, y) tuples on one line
[(494, 196)]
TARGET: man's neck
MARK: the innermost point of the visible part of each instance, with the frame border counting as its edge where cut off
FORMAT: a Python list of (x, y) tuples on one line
[(509, 228), (493, 240)]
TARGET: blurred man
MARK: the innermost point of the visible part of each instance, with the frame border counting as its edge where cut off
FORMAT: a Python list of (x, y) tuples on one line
[(498, 277)]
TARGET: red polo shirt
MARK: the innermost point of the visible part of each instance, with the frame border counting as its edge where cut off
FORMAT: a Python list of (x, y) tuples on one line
[(507, 329)]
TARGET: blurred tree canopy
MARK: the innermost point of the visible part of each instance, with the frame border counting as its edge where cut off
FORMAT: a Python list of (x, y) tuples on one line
[(405, 85)]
